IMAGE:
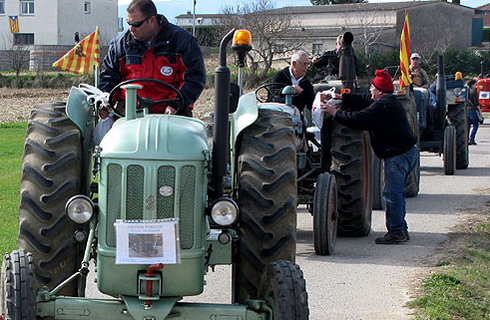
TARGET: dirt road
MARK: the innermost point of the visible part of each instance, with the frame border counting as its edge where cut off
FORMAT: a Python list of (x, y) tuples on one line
[(366, 281)]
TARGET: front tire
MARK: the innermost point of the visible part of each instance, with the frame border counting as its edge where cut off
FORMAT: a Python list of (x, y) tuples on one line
[(284, 289), (412, 186), (458, 119), (51, 174), (378, 184), (449, 152), (325, 215), (267, 193), (18, 293)]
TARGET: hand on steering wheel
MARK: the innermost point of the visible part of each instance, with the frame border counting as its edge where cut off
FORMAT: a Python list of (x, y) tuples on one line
[(175, 105)]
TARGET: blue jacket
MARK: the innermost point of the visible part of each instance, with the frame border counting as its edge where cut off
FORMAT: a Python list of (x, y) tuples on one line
[(173, 57)]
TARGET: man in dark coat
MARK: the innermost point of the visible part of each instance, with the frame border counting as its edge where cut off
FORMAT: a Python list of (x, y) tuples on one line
[(295, 76), (392, 140)]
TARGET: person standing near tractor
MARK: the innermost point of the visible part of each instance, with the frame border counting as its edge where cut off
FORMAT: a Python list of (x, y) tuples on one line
[(392, 140), (330, 60), (419, 76), (153, 48), (473, 111)]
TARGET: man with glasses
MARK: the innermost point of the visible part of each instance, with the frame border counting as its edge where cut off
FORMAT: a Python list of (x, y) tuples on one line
[(153, 48), (392, 140), (295, 76)]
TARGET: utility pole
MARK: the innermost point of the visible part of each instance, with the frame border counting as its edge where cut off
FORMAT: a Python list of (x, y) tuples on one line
[(194, 17)]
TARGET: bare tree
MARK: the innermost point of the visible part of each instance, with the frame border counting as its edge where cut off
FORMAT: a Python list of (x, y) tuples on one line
[(273, 35), (367, 26), (17, 55), (430, 51)]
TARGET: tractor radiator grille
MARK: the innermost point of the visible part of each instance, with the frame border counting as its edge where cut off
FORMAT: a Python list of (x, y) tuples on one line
[(182, 180)]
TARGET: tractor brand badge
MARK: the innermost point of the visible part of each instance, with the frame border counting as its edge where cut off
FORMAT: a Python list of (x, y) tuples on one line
[(166, 191), (150, 202), (166, 71)]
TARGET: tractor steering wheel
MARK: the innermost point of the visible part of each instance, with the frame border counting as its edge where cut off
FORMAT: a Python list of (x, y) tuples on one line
[(270, 92), (176, 103)]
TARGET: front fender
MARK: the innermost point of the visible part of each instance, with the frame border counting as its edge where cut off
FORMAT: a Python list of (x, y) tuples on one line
[(80, 111)]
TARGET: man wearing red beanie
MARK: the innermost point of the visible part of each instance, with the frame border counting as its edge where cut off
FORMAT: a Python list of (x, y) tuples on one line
[(392, 140)]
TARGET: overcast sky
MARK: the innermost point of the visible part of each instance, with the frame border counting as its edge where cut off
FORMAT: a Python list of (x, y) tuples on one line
[(173, 8)]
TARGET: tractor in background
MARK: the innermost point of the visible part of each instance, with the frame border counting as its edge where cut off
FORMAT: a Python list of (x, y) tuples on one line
[(334, 166)]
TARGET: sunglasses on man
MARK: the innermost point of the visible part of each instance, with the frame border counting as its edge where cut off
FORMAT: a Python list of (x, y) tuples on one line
[(139, 23)]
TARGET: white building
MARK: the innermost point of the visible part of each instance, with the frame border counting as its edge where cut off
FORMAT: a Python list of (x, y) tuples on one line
[(54, 22)]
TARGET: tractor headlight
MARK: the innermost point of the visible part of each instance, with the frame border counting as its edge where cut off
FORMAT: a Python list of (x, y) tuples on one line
[(224, 212), (80, 209)]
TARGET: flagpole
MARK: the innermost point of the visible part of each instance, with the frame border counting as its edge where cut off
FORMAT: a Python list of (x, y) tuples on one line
[(96, 76)]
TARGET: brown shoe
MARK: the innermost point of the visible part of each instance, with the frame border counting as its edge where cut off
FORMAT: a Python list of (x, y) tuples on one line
[(391, 238)]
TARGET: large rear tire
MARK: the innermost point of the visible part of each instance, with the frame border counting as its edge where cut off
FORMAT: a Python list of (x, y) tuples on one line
[(449, 150), (458, 119), (267, 193), (325, 215), (51, 174), (351, 167), (283, 288), (17, 287)]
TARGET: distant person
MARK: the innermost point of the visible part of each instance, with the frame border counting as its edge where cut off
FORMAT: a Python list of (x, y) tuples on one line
[(419, 76), (392, 139), (295, 76), (328, 64), (473, 111), (77, 37)]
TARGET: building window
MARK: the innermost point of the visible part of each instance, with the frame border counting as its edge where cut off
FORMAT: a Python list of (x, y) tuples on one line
[(86, 7), (21, 39), (2, 6), (317, 48), (27, 7)]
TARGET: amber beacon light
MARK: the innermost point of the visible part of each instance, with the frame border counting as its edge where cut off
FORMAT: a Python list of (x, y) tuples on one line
[(242, 38)]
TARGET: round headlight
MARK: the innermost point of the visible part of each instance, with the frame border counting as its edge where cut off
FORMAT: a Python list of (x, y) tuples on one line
[(80, 209), (224, 212)]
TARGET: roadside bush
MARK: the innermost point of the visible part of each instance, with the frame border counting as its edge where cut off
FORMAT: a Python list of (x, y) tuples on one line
[(51, 81)]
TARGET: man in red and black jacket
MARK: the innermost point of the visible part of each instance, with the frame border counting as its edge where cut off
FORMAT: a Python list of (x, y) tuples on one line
[(156, 49)]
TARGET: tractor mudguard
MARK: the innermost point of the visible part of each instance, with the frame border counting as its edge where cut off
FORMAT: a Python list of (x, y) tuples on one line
[(80, 111)]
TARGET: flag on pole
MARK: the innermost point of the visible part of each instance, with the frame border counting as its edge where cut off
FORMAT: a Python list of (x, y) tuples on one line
[(405, 78), (14, 24), (83, 57)]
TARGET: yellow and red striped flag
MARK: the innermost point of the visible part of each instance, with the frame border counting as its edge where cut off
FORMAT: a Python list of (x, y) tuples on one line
[(14, 24), (405, 78), (83, 57)]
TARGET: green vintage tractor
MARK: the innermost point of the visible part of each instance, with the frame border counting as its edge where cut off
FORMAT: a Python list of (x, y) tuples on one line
[(157, 216)]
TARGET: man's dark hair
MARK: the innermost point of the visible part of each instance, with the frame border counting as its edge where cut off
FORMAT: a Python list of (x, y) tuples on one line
[(471, 82), (146, 7)]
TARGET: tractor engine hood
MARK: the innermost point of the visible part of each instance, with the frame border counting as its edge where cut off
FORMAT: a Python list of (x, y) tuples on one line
[(159, 137)]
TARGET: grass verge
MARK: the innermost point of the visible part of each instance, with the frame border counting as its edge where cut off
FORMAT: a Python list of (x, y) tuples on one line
[(12, 136), (459, 285)]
